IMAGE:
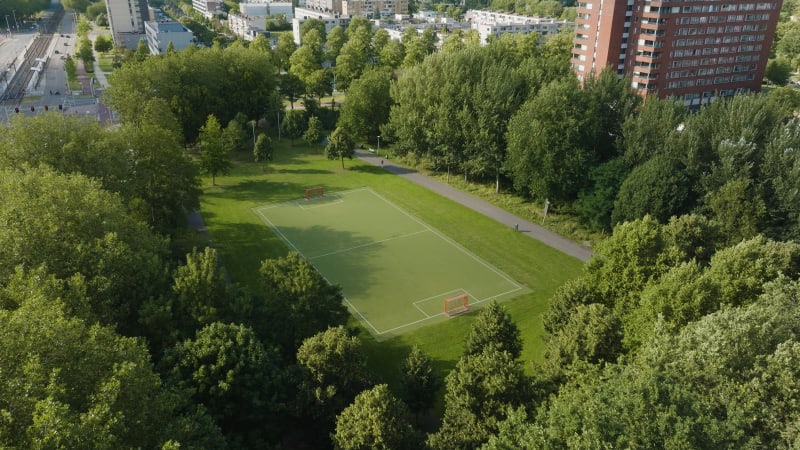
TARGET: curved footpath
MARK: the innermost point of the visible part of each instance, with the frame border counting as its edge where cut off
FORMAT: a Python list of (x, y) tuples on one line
[(534, 231)]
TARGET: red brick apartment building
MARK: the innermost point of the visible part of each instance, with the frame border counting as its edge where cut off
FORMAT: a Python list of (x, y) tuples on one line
[(695, 50)]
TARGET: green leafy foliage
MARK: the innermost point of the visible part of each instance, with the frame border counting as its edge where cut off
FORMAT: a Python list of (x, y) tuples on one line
[(332, 371), (228, 370), (215, 150), (340, 145), (300, 302), (480, 390), (493, 328), (375, 420), (419, 382)]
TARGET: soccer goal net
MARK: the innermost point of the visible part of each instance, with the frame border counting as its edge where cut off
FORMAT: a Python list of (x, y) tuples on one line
[(314, 192), (456, 305)]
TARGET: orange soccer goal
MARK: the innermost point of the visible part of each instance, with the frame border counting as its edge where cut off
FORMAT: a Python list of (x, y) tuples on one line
[(315, 192), (456, 305)]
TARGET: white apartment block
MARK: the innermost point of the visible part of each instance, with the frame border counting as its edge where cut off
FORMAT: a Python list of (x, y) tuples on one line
[(160, 33), (492, 23), (373, 8), (331, 20), (208, 8)]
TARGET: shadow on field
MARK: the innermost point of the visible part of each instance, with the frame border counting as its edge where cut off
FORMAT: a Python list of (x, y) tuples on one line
[(305, 171)]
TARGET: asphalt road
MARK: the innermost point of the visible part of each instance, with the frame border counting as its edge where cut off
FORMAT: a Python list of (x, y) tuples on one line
[(529, 228)]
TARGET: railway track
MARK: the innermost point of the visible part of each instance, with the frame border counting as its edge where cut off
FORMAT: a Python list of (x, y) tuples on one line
[(38, 49)]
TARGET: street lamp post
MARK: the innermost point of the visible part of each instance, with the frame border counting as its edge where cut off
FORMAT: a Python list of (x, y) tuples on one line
[(253, 123), (379, 144)]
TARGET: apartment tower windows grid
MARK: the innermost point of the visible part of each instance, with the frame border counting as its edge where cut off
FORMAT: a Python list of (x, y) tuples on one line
[(694, 50)]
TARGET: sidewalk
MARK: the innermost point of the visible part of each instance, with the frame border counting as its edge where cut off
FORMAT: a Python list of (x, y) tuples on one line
[(534, 231)]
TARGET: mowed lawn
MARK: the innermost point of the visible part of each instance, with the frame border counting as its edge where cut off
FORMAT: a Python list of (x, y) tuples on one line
[(244, 240), (395, 270)]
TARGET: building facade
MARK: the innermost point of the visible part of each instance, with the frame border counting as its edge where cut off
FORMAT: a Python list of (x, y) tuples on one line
[(160, 33), (126, 19), (493, 23), (694, 50)]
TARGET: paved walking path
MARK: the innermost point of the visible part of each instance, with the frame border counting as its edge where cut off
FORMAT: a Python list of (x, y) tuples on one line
[(531, 229)]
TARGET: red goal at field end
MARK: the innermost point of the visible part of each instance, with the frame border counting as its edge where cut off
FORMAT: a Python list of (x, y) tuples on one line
[(315, 192), (457, 304)]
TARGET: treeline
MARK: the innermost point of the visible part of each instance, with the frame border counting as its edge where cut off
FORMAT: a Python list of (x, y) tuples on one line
[(522, 120)]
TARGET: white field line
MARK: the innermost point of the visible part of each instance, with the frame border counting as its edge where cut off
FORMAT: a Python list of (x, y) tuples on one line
[(278, 232), (426, 227), (448, 240), (368, 244)]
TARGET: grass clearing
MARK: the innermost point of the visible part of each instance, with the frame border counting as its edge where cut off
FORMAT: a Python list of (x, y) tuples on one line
[(244, 241)]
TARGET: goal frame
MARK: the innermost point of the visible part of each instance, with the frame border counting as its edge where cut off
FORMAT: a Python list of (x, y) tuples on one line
[(457, 304), (315, 192)]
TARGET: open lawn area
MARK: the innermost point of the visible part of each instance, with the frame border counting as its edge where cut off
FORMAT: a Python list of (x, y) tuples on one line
[(382, 249)]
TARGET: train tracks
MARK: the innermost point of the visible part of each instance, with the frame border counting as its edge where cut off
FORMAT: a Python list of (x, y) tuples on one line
[(38, 50)]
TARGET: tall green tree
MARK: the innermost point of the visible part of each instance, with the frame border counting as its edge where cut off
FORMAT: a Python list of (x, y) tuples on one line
[(294, 124), (215, 152), (375, 420), (239, 381), (494, 328), (262, 151), (419, 381), (340, 145), (548, 152), (300, 302), (480, 391), (332, 371), (367, 105), (313, 134)]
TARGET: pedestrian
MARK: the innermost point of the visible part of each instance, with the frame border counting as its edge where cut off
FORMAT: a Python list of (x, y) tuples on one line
[(381, 163), (516, 227)]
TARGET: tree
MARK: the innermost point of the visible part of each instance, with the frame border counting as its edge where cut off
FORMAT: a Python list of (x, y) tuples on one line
[(299, 300), (85, 53), (340, 145), (419, 382), (778, 71), (235, 135), (215, 157), (494, 328), (103, 44), (368, 103), (294, 124), (658, 187), (375, 420), (291, 87), (93, 388), (548, 152), (313, 134), (81, 234), (283, 51), (592, 335), (201, 295), (480, 391), (262, 151), (334, 43), (228, 370), (332, 371), (142, 52)]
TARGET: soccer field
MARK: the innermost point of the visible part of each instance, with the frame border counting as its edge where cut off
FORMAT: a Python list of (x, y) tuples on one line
[(395, 270)]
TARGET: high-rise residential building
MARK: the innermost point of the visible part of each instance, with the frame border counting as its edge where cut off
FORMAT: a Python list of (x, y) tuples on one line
[(694, 50)]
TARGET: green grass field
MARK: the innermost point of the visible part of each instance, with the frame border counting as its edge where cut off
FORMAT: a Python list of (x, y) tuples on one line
[(395, 270), (243, 241)]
